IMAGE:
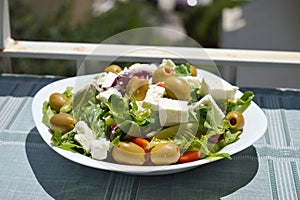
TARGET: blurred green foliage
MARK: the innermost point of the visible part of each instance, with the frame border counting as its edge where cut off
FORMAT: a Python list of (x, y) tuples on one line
[(202, 23), (56, 27), (94, 28)]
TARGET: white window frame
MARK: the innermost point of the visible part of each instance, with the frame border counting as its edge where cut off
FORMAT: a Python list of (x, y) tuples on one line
[(229, 59)]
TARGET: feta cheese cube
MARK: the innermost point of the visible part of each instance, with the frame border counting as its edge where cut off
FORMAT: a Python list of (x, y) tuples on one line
[(109, 79), (153, 95), (100, 78), (84, 135), (99, 148), (104, 96), (193, 81), (169, 63), (219, 89), (147, 67), (172, 112), (216, 113)]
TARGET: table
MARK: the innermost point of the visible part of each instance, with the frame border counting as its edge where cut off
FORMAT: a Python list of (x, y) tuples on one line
[(30, 169)]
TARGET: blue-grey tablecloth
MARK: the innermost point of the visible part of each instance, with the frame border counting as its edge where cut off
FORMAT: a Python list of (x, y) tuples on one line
[(29, 169)]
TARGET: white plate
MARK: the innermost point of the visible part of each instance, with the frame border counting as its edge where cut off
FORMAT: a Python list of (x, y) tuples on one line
[(255, 127)]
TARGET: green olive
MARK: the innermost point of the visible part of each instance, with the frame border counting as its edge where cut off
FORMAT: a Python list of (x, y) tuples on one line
[(165, 154), (63, 121), (177, 88), (161, 74), (236, 120), (137, 87), (57, 100), (129, 153), (193, 70), (113, 68)]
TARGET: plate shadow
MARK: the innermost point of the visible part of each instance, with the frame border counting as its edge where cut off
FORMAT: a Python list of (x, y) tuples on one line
[(64, 179)]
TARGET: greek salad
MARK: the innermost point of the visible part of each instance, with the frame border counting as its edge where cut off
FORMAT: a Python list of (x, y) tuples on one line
[(147, 114)]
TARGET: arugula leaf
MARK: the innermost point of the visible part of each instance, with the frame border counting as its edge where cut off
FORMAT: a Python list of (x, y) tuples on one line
[(240, 104), (118, 108), (134, 106), (116, 141), (130, 120), (140, 116)]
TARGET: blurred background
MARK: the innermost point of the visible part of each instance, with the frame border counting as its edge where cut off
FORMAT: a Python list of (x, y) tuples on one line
[(240, 24)]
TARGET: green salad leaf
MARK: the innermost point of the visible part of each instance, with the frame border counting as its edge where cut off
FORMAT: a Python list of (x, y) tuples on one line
[(47, 113), (118, 108), (183, 70), (67, 142), (195, 95), (68, 92), (240, 104), (87, 109)]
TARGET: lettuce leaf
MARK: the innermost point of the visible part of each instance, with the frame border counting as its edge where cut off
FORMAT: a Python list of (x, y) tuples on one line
[(47, 114), (67, 142), (207, 149), (183, 70), (68, 92)]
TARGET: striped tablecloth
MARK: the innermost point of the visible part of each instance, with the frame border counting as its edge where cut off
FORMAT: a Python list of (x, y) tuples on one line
[(29, 169)]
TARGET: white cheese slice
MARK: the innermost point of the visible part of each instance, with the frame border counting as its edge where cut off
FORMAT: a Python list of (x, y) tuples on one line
[(109, 79), (193, 81), (172, 112), (153, 95), (219, 89), (217, 114), (147, 67), (99, 148), (104, 96), (84, 135), (169, 63), (100, 78)]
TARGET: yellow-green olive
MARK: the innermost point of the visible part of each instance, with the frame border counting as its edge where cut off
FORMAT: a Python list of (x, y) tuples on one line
[(63, 121), (165, 154), (236, 120), (57, 100), (113, 68), (177, 88), (138, 87), (161, 74), (129, 153), (193, 70)]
